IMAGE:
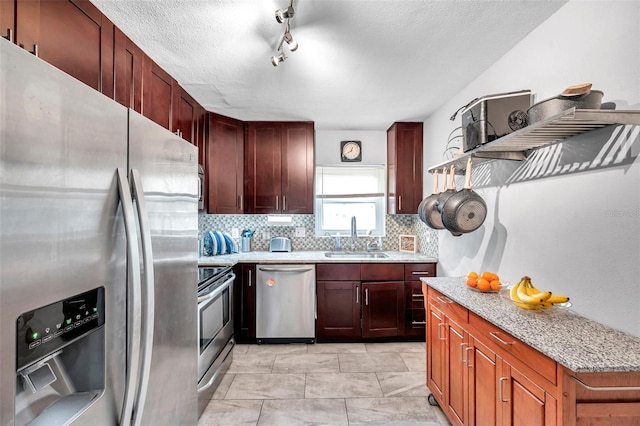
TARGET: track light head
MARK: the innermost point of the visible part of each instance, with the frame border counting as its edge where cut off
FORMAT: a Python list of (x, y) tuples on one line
[(293, 45), (275, 60), (282, 15)]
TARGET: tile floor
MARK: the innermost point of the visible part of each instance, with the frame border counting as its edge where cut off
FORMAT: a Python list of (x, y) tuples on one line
[(324, 384)]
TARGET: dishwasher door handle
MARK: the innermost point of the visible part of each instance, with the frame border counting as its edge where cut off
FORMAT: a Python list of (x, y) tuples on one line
[(269, 269)]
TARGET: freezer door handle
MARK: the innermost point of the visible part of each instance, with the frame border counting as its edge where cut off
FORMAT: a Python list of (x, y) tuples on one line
[(135, 280), (149, 301)]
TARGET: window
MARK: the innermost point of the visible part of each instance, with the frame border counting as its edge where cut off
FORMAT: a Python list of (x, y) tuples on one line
[(346, 191)]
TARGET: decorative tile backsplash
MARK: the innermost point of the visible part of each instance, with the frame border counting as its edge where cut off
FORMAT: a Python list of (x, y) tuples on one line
[(395, 225)]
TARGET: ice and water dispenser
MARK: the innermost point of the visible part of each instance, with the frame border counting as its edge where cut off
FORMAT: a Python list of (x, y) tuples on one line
[(60, 358)]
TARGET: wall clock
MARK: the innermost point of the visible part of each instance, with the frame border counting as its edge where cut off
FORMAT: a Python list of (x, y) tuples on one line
[(351, 151)]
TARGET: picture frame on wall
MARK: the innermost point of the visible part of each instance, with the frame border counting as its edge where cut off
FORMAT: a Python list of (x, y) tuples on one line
[(408, 243)]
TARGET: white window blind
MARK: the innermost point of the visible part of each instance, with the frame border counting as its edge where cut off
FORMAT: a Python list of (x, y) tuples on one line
[(346, 191)]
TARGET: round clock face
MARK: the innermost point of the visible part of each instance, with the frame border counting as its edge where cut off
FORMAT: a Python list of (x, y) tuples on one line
[(351, 151)]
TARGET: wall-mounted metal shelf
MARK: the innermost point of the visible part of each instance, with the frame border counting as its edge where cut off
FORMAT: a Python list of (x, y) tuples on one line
[(516, 145)]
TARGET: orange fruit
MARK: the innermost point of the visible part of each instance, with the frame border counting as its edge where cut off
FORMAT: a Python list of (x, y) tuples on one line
[(495, 285), (472, 282), (472, 274), (483, 284), (489, 276)]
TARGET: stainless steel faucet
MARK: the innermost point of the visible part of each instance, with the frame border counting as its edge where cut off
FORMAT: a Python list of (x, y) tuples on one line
[(354, 233)]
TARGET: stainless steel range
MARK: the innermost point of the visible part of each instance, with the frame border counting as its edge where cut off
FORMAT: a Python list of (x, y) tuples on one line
[(215, 329)]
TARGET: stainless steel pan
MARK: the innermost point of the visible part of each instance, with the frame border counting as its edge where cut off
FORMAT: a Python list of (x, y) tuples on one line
[(428, 210), (451, 190), (465, 211)]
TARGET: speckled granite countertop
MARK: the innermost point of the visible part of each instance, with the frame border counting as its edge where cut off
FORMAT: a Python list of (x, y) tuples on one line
[(308, 257), (577, 343)]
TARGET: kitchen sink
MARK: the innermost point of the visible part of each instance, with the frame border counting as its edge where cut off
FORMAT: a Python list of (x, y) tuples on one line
[(355, 254)]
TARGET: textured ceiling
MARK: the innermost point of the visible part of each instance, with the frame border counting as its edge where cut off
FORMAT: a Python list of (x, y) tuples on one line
[(361, 64)]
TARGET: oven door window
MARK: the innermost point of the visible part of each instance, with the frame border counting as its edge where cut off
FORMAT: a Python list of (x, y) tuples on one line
[(214, 315)]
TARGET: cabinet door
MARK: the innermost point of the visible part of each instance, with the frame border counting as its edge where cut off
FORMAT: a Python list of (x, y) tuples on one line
[(404, 168), (224, 165), (436, 350), (338, 311), (244, 302), (157, 93), (71, 35), (484, 369), (456, 389), (383, 309), (263, 187), (128, 72), (184, 115), (7, 19), (297, 168), (522, 401)]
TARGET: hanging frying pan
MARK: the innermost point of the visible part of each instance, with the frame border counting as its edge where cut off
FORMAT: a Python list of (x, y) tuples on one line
[(465, 211), (451, 190), (427, 210)]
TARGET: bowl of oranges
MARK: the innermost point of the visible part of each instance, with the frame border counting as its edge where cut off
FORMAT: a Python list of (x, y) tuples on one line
[(487, 282)]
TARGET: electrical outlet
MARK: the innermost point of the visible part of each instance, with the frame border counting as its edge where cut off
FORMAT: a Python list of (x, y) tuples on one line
[(300, 231), (235, 232), (266, 235)]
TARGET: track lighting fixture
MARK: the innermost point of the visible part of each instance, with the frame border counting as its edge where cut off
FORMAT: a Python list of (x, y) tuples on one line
[(275, 60), (283, 17), (293, 45)]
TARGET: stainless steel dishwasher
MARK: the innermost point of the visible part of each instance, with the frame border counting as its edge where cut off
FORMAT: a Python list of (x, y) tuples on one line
[(286, 303)]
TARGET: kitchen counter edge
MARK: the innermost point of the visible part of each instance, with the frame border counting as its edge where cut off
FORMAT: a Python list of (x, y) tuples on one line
[(578, 343), (308, 257)]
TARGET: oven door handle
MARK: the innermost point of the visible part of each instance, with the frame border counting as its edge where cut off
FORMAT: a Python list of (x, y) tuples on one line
[(217, 292)]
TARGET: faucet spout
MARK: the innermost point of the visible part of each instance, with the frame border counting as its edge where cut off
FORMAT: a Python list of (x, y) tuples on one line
[(354, 233)]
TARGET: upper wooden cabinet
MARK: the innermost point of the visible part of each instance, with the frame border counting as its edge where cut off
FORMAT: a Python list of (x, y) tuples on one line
[(71, 35), (279, 167), (7, 19), (404, 168), (185, 115), (157, 93), (128, 59), (224, 165)]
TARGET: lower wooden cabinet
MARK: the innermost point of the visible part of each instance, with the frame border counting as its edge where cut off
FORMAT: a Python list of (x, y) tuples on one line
[(382, 309), (370, 301), (481, 375), (338, 310), (473, 380), (244, 303), (415, 320)]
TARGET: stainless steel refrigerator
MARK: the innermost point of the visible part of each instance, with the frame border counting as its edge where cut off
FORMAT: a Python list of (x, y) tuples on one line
[(98, 266)]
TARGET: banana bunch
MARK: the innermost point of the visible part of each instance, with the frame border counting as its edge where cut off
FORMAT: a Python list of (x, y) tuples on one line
[(526, 296)]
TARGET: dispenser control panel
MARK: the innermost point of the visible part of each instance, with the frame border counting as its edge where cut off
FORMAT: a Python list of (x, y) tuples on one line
[(49, 328)]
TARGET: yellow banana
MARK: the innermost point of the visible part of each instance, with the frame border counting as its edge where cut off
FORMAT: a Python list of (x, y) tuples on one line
[(558, 298), (513, 294), (532, 299), (555, 298)]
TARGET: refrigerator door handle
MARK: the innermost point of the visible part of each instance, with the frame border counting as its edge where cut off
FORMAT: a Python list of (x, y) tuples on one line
[(135, 280), (149, 300)]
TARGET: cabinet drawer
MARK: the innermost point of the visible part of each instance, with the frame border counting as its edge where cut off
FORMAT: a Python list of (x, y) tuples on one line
[(415, 271), (523, 354), (413, 297), (382, 272), (448, 306), (338, 272)]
